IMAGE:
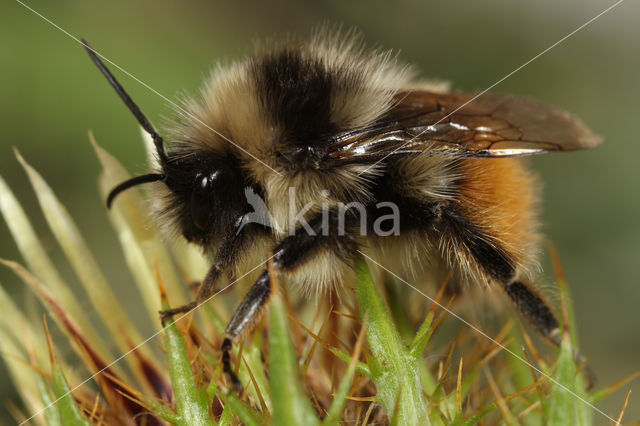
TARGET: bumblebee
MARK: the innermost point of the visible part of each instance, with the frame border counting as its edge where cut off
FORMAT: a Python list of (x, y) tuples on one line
[(331, 129)]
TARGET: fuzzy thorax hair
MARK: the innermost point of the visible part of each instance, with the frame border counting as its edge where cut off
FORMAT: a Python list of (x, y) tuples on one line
[(288, 95), (274, 111)]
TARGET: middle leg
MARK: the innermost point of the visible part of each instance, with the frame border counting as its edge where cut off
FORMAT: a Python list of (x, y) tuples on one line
[(293, 252), (243, 320)]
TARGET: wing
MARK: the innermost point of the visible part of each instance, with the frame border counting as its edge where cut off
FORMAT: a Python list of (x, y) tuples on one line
[(489, 125)]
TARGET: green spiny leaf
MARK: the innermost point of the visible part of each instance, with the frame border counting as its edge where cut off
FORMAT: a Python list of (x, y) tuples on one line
[(564, 407), (52, 413), (191, 403), (422, 336), (163, 412), (340, 399), (246, 414), (69, 411), (361, 367), (290, 405), (252, 355), (395, 371)]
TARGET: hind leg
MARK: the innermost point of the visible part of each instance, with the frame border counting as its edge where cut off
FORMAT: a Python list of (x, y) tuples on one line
[(537, 311)]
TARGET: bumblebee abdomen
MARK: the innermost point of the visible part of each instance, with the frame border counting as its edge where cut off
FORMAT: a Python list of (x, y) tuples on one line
[(497, 197)]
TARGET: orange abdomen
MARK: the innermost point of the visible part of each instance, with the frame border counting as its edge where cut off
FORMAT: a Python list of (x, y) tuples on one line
[(499, 196)]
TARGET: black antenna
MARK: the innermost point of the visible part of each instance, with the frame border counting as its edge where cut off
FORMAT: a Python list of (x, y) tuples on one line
[(157, 139), (151, 177)]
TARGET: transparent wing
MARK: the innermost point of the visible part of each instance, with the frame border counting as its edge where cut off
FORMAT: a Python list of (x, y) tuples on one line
[(489, 126)]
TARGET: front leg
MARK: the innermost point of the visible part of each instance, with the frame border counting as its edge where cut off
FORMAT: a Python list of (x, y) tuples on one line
[(205, 290), (231, 247)]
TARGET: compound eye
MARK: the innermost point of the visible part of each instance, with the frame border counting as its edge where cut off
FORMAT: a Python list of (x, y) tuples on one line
[(201, 201)]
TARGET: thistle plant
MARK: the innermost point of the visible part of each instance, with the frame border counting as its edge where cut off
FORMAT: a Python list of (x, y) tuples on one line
[(362, 359)]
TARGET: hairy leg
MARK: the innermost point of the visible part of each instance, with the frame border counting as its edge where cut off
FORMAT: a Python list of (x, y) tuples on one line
[(243, 320), (500, 267), (205, 290), (535, 309), (230, 249), (293, 252), (539, 314)]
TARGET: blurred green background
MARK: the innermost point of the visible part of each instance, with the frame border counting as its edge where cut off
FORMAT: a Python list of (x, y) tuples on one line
[(52, 95)]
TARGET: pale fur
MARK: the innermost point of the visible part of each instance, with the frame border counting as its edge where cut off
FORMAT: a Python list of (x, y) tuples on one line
[(379, 77), (227, 103)]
